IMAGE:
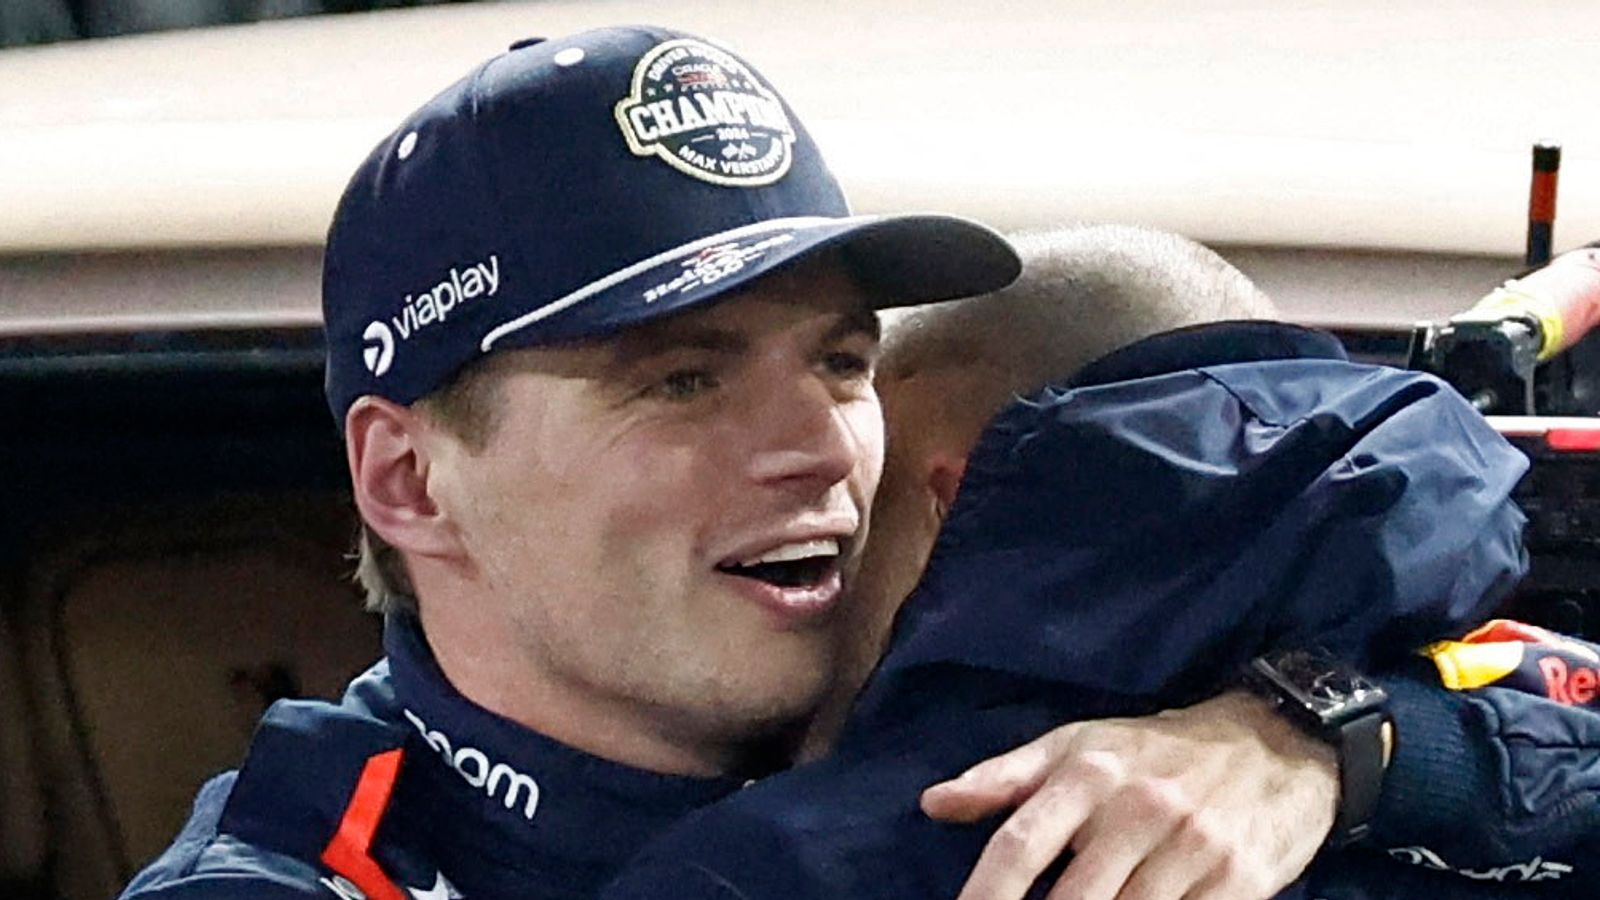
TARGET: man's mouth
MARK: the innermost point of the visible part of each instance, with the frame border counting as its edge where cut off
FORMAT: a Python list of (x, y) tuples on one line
[(797, 564)]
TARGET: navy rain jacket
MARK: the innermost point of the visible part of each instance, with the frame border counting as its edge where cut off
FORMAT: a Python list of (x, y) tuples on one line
[(406, 790), (1127, 543)]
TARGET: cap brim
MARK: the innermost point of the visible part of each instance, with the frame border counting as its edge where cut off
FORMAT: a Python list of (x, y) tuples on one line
[(914, 259), (900, 260)]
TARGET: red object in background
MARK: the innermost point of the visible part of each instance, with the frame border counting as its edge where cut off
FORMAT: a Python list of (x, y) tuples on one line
[(1573, 439), (1542, 204)]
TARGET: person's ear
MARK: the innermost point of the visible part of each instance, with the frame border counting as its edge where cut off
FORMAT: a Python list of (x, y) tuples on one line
[(388, 456), (944, 480)]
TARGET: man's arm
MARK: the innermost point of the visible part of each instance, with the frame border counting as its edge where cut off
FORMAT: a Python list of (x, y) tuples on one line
[(1495, 781), (1224, 798), (655, 879), (1437, 546)]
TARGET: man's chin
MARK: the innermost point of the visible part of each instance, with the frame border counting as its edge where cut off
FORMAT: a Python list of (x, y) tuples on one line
[(771, 739), (780, 706)]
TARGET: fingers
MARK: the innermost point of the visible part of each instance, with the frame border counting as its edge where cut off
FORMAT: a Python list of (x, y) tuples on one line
[(1136, 822), (1204, 803), (994, 785), (1039, 831), (1195, 856)]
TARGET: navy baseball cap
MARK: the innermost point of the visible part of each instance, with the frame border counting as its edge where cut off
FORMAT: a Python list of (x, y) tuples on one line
[(572, 188)]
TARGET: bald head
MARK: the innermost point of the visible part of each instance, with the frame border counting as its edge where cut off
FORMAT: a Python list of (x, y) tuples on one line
[(1084, 292), (947, 369)]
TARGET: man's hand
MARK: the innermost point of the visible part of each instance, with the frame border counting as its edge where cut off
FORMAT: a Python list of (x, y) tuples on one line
[(1224, 799)]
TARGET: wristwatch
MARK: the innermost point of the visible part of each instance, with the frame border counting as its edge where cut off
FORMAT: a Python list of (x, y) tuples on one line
[(1331, 701)]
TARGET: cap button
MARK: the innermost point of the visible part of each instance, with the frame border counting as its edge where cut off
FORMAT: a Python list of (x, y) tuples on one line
[(525, 42)]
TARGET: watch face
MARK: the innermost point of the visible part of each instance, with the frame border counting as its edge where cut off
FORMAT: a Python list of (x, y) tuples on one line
[(1324, 685)]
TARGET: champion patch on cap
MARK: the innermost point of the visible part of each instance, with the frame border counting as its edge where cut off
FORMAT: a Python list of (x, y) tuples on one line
[(706, 114)]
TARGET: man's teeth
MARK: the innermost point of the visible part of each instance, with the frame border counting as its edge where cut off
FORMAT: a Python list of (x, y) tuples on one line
[(794, 551)]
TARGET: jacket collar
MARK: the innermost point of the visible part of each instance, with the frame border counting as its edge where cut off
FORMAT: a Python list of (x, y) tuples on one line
[(1101, 480), (499, 808), (517, 796), (1213, 344)]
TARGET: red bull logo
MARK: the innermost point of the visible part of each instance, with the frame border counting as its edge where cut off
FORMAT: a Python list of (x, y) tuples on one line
[(1520, 657), (1570, 684)]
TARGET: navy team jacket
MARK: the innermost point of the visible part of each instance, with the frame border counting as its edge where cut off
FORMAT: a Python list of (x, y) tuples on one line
[(1126, 542), (405, 789)]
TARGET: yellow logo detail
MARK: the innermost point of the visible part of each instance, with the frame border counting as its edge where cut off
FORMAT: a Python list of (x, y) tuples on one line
[(1464, 666)]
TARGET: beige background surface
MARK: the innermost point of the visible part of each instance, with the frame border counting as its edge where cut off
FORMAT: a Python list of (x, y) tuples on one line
[(1389, 124)]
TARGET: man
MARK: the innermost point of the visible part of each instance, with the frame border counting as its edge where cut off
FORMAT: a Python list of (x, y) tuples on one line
[(624, 514), (1043, 601), (1495, 779)]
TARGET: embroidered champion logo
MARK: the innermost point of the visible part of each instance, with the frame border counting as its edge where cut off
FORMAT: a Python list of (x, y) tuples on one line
[(706, 114)]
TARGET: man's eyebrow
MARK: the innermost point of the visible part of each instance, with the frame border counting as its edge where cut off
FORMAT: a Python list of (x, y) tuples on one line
[(860, 320), (638, 348)]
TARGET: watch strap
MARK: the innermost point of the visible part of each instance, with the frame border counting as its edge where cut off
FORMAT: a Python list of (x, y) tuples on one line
[(1329, 701), (1360, 744)]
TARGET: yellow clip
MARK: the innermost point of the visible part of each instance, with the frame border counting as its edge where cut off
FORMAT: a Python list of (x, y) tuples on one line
[(1510, 299)]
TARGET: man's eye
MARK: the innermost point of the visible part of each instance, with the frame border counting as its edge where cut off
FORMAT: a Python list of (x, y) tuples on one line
[(684, 384), (848, 365)]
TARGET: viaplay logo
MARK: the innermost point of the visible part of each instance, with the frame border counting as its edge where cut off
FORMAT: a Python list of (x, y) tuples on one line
[(378, 350), (425, 308), (706, 114)]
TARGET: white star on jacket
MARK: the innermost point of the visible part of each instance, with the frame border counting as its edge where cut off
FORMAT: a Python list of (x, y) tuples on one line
[(442, 890)]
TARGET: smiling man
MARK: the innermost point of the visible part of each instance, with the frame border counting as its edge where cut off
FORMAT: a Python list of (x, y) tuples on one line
[(610, 521), (601, 334), (644, 556)]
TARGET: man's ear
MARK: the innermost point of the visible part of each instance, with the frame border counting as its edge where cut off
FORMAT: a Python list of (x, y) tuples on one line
[(944, 480), (388, 457)]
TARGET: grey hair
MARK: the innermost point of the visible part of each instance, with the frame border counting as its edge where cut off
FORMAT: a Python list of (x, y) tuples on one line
[(1084, 291)]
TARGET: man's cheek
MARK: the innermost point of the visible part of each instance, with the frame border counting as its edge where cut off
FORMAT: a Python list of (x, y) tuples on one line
[(869, 431)]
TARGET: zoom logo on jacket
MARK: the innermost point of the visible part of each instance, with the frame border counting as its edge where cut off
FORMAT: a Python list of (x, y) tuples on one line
[(496, 779)]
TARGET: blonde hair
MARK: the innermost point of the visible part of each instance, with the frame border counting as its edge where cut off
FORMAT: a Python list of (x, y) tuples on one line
[(467, 407)]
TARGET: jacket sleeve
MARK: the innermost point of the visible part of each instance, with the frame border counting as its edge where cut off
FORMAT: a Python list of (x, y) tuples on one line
[(1496, 772), (1408, 534), (661, 880), (1213, 513)]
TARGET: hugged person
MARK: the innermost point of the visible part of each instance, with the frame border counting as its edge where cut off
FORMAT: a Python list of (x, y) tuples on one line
[(1168, 501)]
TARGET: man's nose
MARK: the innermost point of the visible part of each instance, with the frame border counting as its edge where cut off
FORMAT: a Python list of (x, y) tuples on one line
[(808, 443)]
